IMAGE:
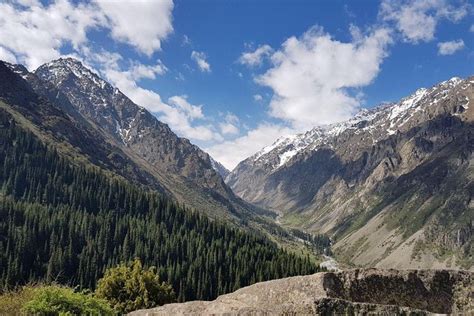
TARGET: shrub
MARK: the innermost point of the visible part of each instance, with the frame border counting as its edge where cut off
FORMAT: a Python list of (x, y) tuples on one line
[(129, 287), (59, 300)]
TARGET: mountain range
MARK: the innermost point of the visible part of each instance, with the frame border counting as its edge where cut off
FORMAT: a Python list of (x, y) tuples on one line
[(393, 186)]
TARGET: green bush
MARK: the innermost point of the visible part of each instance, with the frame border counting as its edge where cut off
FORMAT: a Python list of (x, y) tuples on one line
[(129, 287), (59, 300)]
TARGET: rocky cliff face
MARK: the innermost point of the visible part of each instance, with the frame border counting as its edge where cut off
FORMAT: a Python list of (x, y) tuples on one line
[(129, 124), (381, 183), (381, 292)]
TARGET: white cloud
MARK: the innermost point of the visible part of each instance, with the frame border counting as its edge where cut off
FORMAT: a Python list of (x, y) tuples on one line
[(200, 59), (230, 125), (257, 97), (35, 33), (310, 76), (181, 102), (228, 128), (140, 71), (255, 58), (417, 19), (231, 152), (140, 23), (32, 33), (186, 41), (471, 29), (7, 55), (449, 48)]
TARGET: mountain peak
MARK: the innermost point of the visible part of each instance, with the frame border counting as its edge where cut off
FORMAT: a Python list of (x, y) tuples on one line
[(18, 69), (62, 69)]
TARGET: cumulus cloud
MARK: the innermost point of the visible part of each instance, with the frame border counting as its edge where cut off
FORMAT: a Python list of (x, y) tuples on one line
[(471, 29), (311, 76), (7, 55), (139, 71), (256, 57), (35, 33), (231, 152), (257, 97), (449, 48), (181, 102), (230, 124), (141, 23), (201, 62), (417, 19)]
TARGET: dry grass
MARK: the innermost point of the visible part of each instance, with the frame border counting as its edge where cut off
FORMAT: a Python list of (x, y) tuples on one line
[(11, 302)]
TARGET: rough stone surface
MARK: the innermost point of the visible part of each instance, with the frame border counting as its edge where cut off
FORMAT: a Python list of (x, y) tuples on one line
[(360, 291)]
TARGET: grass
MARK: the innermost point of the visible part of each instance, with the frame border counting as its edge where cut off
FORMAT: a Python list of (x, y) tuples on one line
[(12, 302), (39, 299)]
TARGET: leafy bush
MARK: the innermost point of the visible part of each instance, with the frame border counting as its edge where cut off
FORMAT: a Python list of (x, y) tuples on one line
[(59, 300), (131, 287)]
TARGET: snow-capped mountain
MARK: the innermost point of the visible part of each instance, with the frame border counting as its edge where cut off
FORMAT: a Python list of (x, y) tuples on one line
[(379, 123), (131, 136), (373, 182), (95, 98)]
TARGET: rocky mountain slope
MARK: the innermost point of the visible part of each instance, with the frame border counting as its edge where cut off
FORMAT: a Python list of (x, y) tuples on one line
[(380, 292), (96, 122), (223, 171), (392, 186)]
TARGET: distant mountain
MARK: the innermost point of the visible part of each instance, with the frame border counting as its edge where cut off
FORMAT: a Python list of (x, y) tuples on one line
[(167, 162), (95, 121), (223, 171), (392, 186)]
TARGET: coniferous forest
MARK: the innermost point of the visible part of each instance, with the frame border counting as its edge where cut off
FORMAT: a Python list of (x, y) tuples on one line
[(65, 222)]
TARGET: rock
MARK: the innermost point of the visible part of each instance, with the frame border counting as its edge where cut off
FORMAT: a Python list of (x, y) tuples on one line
[(360, 291)]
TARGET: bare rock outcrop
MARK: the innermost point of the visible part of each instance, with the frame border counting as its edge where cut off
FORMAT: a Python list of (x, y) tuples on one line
[(360, 291)]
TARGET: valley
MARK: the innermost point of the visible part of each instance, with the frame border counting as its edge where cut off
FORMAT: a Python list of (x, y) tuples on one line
[(333, 198), (176, 157), (383, 185)]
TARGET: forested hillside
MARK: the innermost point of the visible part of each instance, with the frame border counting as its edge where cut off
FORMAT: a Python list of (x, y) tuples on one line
[(66, 222)]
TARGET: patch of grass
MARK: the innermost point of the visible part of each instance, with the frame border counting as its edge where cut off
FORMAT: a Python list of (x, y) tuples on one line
[(12, 302), (347, 254), (51, 300)]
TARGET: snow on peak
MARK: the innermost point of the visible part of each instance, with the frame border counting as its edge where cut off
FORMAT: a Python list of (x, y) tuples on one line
[(407, 103), (59, 69), (379, 122), (18, 69), (454, 81)]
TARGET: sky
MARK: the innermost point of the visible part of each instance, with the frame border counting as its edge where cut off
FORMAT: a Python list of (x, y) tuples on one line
[(233, 76)]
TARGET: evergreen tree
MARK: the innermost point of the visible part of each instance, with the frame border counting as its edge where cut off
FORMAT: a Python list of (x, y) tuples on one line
[(69, 222)]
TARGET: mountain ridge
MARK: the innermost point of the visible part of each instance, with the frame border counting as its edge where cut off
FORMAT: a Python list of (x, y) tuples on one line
[(342, 180), (318, 135), (129, 137)]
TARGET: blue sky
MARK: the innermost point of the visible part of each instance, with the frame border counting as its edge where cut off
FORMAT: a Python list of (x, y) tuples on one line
[(232, 76)]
